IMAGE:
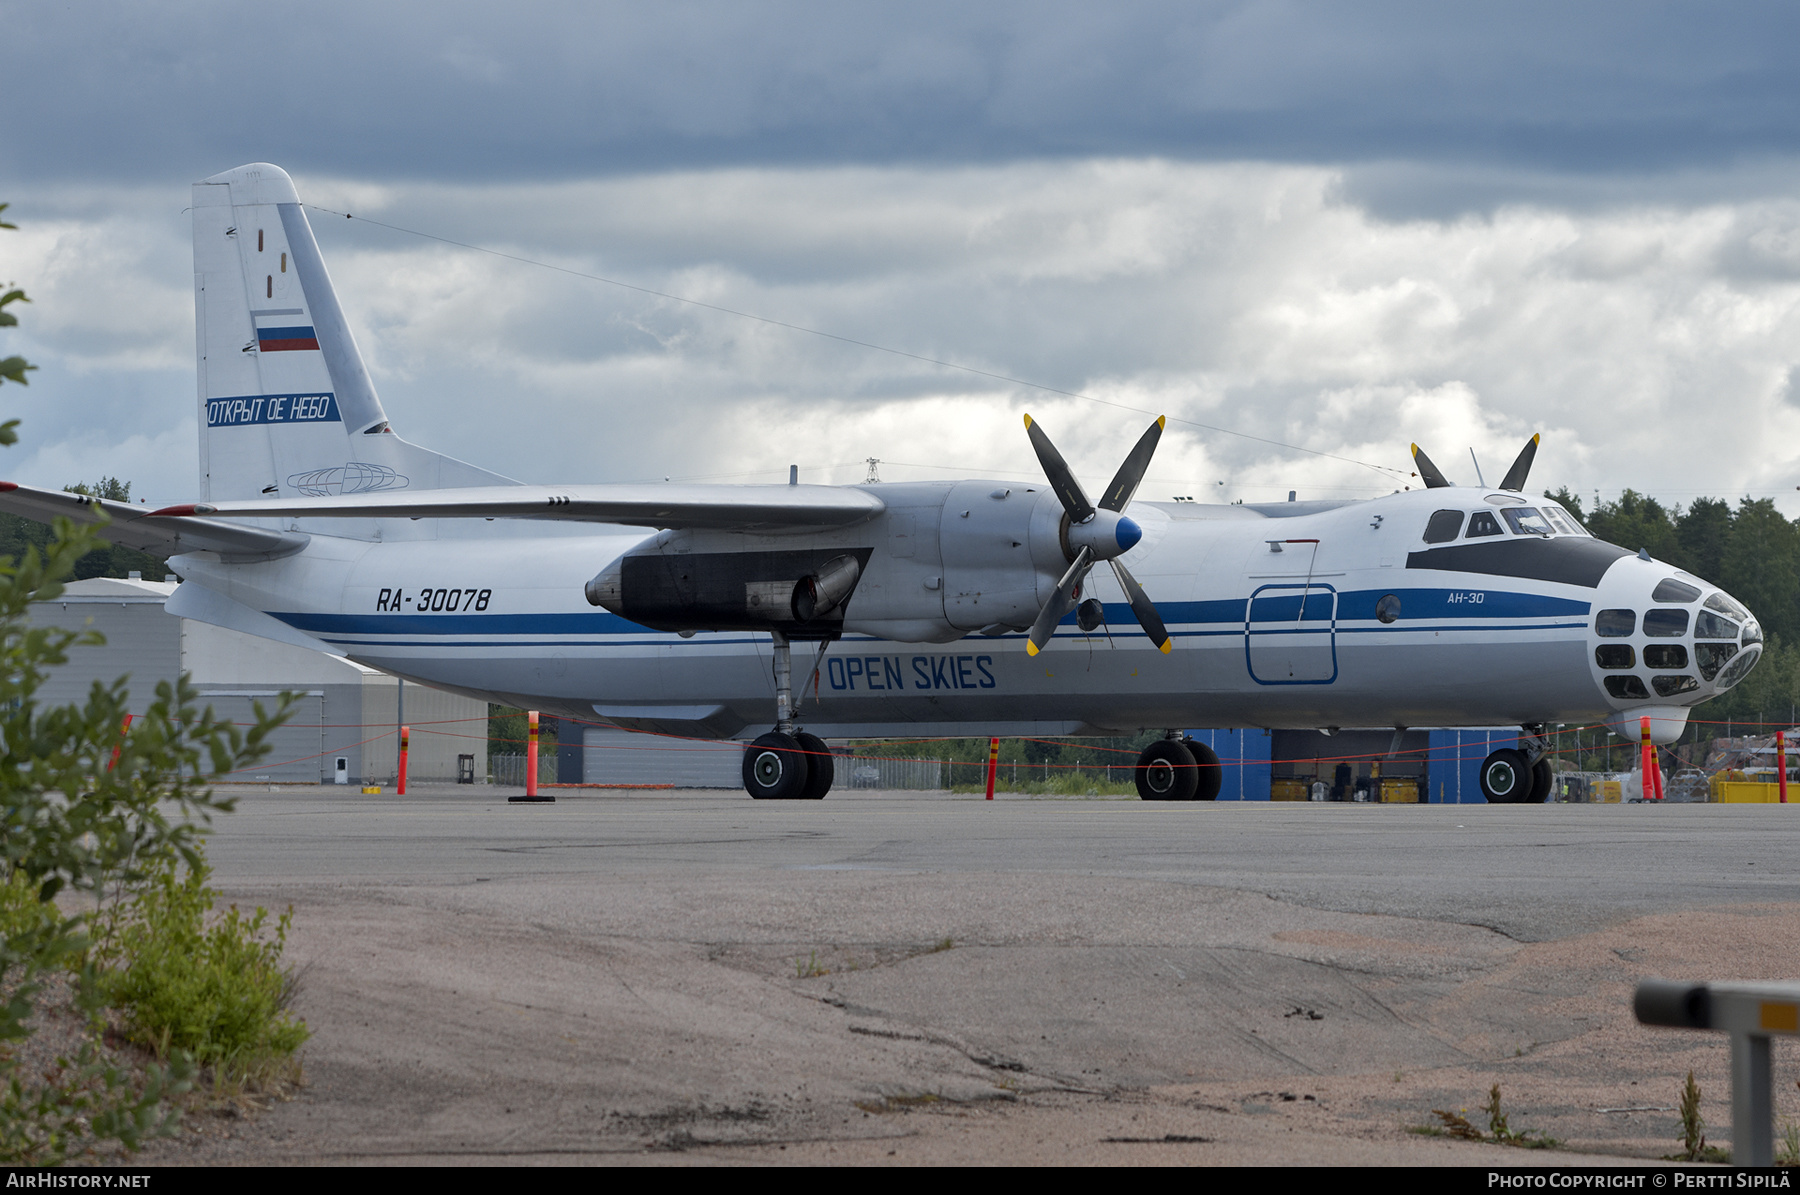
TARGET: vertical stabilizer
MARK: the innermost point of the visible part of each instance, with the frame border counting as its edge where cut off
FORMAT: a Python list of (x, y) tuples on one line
[(287, 407)]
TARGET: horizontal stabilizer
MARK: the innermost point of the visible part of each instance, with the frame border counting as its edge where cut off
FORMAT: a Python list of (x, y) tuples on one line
[(133, 527), (718, 507)]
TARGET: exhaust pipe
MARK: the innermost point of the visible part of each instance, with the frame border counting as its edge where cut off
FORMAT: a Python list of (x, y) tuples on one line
[(822, 592)]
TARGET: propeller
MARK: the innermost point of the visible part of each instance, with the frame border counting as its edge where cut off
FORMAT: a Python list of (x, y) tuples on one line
[(1514, 480), (1095, 534), (1515, 476), (1433, 476)]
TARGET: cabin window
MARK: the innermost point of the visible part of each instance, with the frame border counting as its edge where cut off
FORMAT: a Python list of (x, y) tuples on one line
[(1671, 590), (1444, 526), (269, 286), (284, 261), (1525, 520), (1626, 687), (1711, 626), (1615, 656), (1665, 655), (1669, 686), (1483, 522), (1388, 608), (1666, 624), (1712, 656), (259, 233), (1615, 624)]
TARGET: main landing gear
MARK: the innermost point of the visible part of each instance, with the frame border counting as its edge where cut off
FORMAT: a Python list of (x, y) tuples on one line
[(786, 763), (1178, 769), (1519, 777)]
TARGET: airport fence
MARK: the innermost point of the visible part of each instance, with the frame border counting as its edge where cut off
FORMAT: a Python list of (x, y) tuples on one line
[(510, 769), (909, 775)]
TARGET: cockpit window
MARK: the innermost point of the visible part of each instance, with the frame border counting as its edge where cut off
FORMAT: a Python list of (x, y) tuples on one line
[(1483, 522), (1665, 624), (1443, 526), (1525, 520), (1564, 524), (1671, 590)]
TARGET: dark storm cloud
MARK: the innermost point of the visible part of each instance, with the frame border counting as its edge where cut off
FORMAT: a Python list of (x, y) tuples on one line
[(470, 91)]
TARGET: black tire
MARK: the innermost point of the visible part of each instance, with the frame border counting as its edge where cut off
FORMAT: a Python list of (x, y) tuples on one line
[(821, 769), (775, 768), (1543, 779), (1210, 777), (1167, 771), (1505, 780)]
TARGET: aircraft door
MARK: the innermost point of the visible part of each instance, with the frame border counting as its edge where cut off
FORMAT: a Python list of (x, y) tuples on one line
[(1290, 633)]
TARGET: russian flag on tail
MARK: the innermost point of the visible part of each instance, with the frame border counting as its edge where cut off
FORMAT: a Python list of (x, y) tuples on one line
[(284, 340)]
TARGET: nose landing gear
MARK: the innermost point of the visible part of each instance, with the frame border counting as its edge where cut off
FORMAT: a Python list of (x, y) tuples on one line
[(785, 763)]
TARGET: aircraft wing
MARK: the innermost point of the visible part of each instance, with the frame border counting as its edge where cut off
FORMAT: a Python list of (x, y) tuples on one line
[(717, 507), (133, 527)]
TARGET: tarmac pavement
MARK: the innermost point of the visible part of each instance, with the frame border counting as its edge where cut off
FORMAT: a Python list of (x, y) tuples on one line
[(696, 977)]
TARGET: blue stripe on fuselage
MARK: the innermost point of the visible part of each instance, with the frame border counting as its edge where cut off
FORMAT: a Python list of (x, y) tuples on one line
[(1352, 606)]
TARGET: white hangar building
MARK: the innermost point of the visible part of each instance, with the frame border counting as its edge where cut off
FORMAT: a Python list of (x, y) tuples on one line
[(346, 711)]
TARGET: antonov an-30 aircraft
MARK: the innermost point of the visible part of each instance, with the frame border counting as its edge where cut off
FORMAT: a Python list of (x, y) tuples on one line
[(923, 608)]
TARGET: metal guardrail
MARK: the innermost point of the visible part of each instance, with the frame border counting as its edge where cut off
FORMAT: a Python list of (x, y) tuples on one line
[(1751, 1013)]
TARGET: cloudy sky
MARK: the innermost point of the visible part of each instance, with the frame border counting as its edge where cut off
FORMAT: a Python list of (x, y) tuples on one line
[(1309, 233)]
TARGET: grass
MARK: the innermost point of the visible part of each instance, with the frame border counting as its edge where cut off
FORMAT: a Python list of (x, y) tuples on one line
[(900, 1103), (1499, 1131), (810, 966), (1693, 1130), (1077, 783), (212, 986)]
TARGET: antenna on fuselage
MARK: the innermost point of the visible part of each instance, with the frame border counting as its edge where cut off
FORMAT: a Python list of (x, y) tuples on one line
[(1479, 479)]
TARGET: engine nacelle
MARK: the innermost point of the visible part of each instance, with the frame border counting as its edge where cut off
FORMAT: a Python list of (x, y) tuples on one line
[(802, 593)]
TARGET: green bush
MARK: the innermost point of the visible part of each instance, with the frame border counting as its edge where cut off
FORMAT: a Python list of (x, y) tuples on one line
[(92, 808), (212, 987)]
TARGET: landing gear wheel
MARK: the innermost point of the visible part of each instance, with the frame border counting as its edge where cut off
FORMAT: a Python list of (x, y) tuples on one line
[(1167, 771), (820, 768), (1505, 780), (1210, 777), (1543, 779), (775, 767)]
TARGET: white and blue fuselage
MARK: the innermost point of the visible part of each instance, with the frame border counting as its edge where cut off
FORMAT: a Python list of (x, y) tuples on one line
[(1287, 615)]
